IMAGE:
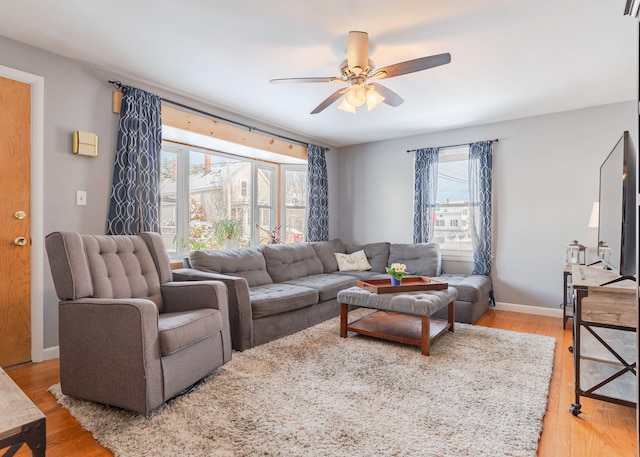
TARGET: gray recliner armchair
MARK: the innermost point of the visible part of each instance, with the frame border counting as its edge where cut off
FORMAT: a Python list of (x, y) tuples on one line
[(130, 336)]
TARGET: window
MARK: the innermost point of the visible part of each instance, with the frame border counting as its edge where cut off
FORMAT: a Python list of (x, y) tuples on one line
[(451, 229), (202, 191)]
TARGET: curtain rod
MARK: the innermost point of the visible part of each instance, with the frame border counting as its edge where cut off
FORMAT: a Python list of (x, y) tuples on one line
[(118, 85), (453, 145)]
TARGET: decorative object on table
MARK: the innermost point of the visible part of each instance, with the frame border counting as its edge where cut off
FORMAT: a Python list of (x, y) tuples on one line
[(604, 252), (575, 254), (384, 286), (397, 272)]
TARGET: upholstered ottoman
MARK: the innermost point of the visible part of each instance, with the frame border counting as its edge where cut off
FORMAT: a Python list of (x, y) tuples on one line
[(402, 317)]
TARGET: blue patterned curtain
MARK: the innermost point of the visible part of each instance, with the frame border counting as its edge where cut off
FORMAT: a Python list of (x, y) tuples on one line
[(135, 196), (317, 194), (426, 189), (480, 164)]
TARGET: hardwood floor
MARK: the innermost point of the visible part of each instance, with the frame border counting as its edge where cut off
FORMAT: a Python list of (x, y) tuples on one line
[(603, 430)]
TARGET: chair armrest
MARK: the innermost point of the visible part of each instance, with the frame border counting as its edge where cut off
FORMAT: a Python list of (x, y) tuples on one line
[(190, 295), (109, 352), (240, 315), (178, 296)]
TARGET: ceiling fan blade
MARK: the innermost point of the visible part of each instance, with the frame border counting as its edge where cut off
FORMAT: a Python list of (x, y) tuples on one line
[(411, 66), (390, 97), (330, 99), (327, 79), (358, 51)]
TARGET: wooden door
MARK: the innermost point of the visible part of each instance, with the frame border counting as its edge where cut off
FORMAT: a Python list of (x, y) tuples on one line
[(15, 241)]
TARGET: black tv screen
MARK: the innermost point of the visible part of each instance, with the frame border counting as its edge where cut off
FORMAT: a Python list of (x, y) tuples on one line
[(616, 222)]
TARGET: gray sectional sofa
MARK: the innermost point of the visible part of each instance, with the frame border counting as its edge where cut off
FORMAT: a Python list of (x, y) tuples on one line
[(276, 290)]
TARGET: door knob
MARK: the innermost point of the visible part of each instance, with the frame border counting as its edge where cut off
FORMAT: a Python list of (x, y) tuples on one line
[(20, 215), (20, 241)]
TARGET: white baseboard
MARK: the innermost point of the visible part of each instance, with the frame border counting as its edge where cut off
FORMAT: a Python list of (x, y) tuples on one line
[(51, 353), (528, 309)]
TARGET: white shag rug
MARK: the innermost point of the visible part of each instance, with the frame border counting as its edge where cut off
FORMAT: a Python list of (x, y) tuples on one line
[(481, 392)]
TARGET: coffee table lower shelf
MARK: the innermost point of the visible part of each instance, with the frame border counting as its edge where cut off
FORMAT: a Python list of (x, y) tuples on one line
[(402, 328)]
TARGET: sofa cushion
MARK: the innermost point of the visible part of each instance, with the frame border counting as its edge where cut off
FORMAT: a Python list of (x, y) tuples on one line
[(353, 262), (271, 299), (177, 331), (290, 261), (325, 251), (327, 285), (471, 288), (422, 259), (247, 263), (377, 254)]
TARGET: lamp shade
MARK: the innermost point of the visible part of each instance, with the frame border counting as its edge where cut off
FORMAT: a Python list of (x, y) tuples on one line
[(357, 95), (373, 98), (595, 214)]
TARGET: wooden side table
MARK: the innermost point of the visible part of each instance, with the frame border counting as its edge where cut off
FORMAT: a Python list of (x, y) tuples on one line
[(21, 422)]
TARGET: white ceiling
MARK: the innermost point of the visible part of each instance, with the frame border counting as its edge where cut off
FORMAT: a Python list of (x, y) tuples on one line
[(510, 58)]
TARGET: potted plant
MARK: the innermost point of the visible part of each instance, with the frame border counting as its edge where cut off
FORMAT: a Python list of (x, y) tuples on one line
[(397, 271), (228, 232)]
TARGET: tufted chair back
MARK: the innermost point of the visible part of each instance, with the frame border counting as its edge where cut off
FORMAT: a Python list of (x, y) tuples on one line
[(108, 266)]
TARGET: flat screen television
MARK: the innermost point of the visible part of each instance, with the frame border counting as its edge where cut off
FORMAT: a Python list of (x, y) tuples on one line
[(616, 221)]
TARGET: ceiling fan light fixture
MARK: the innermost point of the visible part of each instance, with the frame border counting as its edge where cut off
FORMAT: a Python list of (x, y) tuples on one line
[(345, 106), (374, 98), (357, 95)]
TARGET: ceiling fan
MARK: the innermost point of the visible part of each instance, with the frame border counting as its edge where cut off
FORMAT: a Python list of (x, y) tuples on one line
[(357, 71)]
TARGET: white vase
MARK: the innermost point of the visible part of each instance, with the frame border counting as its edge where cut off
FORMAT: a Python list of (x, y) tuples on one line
[(231, 244)]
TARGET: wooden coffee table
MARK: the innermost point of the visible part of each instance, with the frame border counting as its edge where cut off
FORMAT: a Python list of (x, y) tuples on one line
[(401, 317), (21, 422)]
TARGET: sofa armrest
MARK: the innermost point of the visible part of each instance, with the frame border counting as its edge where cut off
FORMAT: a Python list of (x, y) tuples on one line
[(178, 296), (109, 352), (240, 314)]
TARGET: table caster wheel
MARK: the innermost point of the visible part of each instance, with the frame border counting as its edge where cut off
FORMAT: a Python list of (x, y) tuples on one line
[(575, 409)]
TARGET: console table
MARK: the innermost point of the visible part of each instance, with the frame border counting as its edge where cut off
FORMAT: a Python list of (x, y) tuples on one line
[(604, 345), (20, 420)]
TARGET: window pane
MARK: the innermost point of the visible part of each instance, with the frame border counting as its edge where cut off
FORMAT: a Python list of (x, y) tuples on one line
[(265, 177), (295, 196), (452, 214), (294, 231), (296, 188), (219, 201), (168, 198)]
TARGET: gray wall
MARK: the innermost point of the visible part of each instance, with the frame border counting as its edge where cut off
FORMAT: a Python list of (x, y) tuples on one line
[(546, 174)]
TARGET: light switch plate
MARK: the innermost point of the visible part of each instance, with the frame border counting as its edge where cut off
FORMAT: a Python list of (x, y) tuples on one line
[(81, 197)]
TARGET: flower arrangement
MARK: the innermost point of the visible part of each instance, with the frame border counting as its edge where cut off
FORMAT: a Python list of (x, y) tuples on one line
[(397, 270)]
